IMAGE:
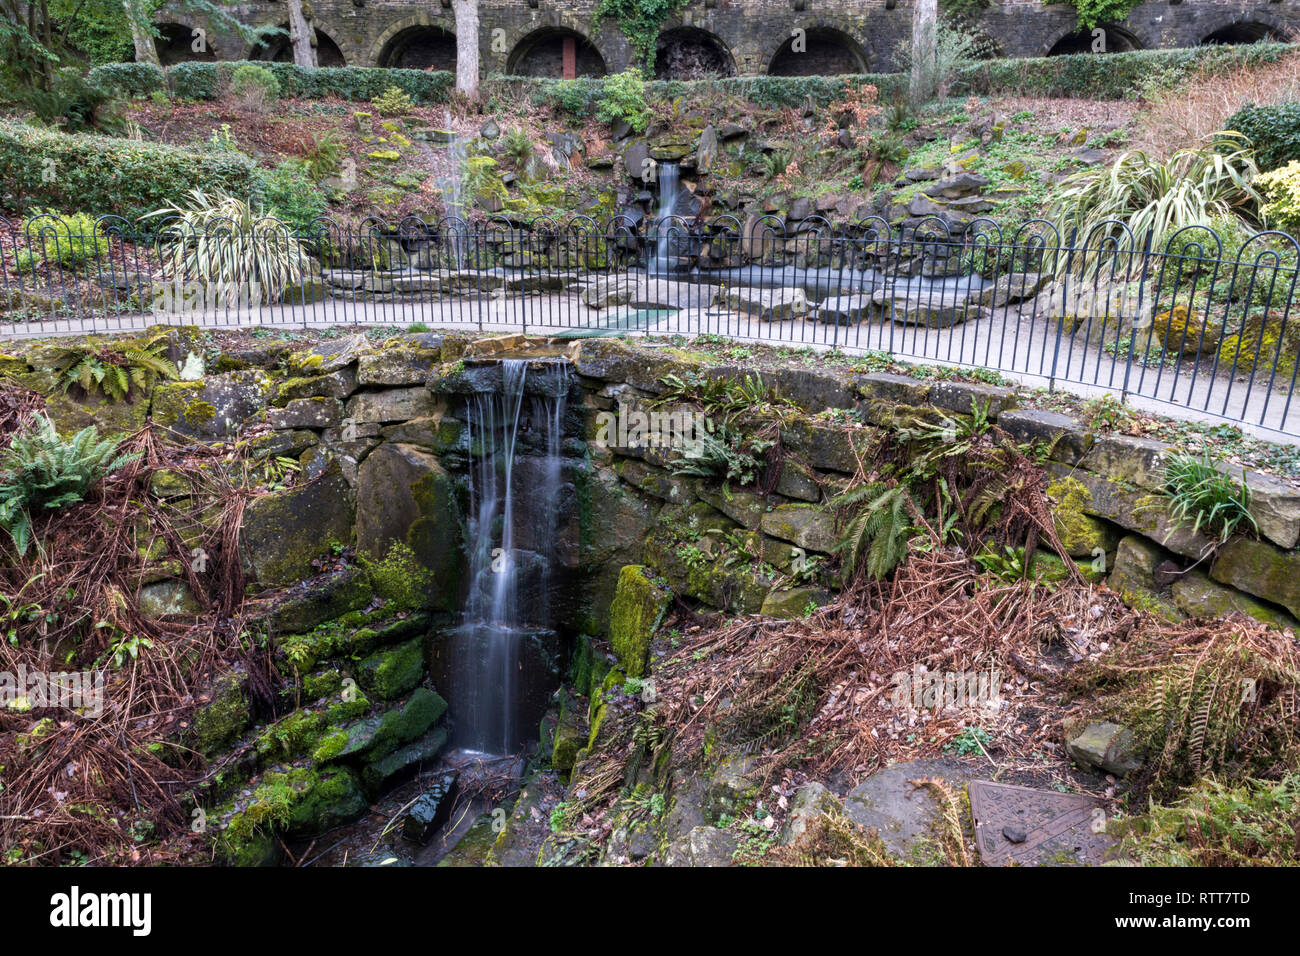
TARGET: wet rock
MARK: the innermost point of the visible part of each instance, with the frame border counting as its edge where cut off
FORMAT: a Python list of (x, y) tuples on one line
[(431, 809), (636, 611), (1105, 746), (392, 672), (903, 814)]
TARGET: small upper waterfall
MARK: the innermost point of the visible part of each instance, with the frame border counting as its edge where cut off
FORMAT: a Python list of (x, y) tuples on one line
[(515, 484)]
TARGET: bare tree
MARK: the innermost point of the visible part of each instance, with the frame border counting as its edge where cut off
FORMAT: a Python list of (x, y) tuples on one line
[(302, 36), (925, 15), (466, 14)]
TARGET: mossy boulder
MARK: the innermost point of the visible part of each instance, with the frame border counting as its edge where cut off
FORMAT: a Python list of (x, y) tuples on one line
[(1081, 534), (808, 526), (318, 412), (283, 531), (71, 413), (327, 799), (222, 717), (405, 496), (392, 672), (322, 599), (636, 611), (213, 407), (1261, 569), (338, 385), (164, 598), (1197, 596), (793, 602), (399, 363)]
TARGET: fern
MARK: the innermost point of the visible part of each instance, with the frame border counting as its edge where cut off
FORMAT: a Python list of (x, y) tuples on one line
[(114, 372), (876, 537), (40, 472)]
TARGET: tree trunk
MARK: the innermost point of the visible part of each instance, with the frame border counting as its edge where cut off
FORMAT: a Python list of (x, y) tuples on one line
[(146, 50), (925, 14), (466, 14), (302, 35)]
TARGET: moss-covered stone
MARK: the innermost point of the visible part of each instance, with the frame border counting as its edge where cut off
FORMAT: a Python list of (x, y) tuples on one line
[(810, 527), (285, 530), (792, 603), (324, 599), (223, 717), (636, 611), (1261, 569), (1081, 534), (1197, 596), (212, 407), (390, 673)]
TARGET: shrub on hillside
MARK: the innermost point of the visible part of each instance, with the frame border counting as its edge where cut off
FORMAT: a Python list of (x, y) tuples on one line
[(70, 239), (290, 196), (207, 81), (1281, 192), (1273, 131), (255, 87), (622, 97), (102, 175)]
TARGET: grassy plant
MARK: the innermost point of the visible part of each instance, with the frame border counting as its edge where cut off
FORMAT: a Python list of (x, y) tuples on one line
[(1160, 196), (1207, 499), (40, 472), (221, 240), (113, 370)]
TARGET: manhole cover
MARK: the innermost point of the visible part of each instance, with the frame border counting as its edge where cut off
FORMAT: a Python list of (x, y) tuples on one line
[(1037, 827)]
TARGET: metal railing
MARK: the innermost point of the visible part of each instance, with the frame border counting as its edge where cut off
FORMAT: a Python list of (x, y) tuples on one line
[(1191, 324)]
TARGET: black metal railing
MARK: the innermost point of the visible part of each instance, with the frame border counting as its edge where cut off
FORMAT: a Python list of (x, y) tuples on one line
[(1191, 323)]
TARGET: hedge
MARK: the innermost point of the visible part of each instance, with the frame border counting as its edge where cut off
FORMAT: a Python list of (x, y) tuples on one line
[(207, 81), (129, 79), (104, 175), (1274, 131)]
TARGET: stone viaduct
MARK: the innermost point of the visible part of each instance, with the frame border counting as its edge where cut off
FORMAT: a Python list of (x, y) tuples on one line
[(718, 37)]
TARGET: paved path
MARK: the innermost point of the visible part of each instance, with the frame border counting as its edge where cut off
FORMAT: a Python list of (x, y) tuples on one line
[(1024, 348)]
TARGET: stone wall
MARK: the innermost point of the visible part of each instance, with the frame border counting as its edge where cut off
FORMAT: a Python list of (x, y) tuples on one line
[(753, 35)]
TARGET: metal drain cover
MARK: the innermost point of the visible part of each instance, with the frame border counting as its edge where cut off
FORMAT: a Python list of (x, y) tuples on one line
[(1027, 827)]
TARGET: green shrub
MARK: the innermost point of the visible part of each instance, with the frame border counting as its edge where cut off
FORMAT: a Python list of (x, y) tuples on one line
[(41, 472), (130, 79), (71, 240), (1281, 192), (575, 97), (622, 97), (102, 175), (205, 81), (1273, 131), (289, 195), (393, 102), (398, 577), (254, 86)]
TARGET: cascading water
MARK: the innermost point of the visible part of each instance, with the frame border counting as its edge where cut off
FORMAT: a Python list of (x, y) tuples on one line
[(515, 486), (667, 174), (451, 186)]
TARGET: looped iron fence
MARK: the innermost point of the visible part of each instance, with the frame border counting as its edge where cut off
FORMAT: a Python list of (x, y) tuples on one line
[(1191, 323)]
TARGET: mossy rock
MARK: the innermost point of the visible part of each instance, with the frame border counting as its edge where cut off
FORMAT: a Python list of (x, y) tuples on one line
[(283, 531), (638, 607), (1081, 534), (213, 407), (793, 602), (388, 674), (811, 527), (323, 599), (1197, 596), (331, 798), (398, 363), (223, 718), (70, 414)]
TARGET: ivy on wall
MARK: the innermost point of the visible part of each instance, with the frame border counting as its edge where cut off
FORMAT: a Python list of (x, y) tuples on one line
[(640, 21), (1095, 13)]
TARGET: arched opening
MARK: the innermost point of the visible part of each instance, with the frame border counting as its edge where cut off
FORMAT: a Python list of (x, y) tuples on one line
[(279, 50), (1236, 33), (818, 51), (420, 48), (555, 51), (1107, 39), (179, 43), (687, 53)]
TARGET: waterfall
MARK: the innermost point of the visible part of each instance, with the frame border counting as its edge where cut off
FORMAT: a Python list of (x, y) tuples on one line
[(668, 186), (514, 493), (452, 187)]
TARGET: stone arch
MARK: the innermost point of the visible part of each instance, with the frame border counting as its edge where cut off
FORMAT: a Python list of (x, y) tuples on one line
[(829, 50), (414, 39), (1118, 40), (1253, 27), (542, 52), (176, 44), (278, 49), (691, 53)]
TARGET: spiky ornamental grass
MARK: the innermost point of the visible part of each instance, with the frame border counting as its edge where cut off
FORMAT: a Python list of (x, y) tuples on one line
[(1191, 187), (41, 472), (225, 244)]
